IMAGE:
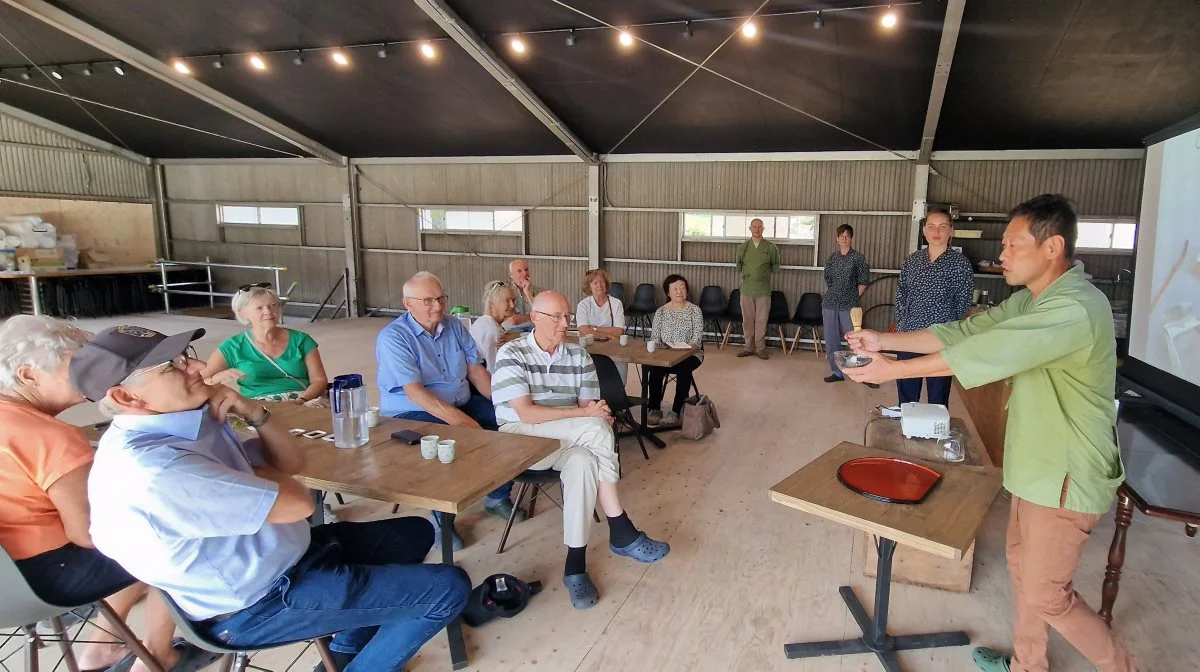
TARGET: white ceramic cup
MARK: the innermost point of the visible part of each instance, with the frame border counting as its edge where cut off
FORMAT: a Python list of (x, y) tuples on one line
[(372, 416), (650, 346), (585, 340), (429, 446), (445, 451), (624, 339)]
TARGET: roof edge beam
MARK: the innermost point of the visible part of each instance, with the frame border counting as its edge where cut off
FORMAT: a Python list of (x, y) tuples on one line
[(72, 134), (941, 75), (467, 38), (89, 34)]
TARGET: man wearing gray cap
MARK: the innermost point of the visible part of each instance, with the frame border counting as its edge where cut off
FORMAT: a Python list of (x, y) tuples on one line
[(219, 525)]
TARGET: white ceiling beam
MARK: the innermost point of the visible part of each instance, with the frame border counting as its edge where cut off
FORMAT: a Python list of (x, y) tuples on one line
[(466, 38), (941, 75), (89, 34), (70, 133)]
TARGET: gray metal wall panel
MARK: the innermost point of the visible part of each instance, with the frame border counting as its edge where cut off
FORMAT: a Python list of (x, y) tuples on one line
[(639, 235), (498, 184), (1105, 265), (560, 233), (79, 174), (323, 225), (721, 253), (389, 228), (256, 182), (768, 185), (1100, 187), (883, 240), (468, 244)]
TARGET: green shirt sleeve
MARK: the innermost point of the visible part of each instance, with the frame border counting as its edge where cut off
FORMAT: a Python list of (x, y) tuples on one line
[(229, 350), (304, 343), (1038, 338), (774, 257), (738, 255), (950, 333)]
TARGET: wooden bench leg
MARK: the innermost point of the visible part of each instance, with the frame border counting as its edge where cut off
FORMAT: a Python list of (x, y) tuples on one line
[(725, 340), (1116, 556)]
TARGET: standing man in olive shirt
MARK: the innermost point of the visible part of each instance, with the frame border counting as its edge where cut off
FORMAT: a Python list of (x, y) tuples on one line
[(1061, 460), (756, 259)]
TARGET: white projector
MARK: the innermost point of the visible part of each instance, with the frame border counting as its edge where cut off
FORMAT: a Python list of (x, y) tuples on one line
[(924, 421)]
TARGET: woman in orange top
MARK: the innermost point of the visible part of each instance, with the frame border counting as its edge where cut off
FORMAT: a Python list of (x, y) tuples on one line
[(44, 514)]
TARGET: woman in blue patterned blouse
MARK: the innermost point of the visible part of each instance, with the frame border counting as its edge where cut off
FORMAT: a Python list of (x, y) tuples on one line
[(936, 285)]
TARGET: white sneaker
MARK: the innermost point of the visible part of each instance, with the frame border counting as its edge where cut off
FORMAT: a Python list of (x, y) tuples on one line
[(670, 418)]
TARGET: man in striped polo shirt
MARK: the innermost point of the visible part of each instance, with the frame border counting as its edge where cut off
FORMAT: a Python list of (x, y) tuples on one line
[(544, 386)]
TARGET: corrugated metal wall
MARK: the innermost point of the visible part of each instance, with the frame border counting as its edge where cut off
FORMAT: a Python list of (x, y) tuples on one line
[(38, 162), (1099, 187)]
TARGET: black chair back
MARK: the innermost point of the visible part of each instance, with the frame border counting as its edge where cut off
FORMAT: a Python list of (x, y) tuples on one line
[(612, 390), (733, 310), (779, 308), (644, 300), (617, 291), (712, 301), (808, 311)]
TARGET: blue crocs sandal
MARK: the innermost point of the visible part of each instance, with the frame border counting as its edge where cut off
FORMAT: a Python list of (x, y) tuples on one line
[(581, 590), (643, 549), (989, 660)]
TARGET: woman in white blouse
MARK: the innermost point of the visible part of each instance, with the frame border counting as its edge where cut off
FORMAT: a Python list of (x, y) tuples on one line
[(676, 321), (600, 314), (499, 304)]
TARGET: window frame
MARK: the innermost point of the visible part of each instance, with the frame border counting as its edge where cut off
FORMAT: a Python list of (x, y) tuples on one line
[(750, 214), (421, 219), (1079, 249), (259, 208)]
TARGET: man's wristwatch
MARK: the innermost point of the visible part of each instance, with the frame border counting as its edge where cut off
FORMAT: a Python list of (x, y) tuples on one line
[(259, 423)]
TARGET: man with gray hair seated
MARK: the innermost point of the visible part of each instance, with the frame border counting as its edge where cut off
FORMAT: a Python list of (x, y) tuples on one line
[(545, 386), (427, 365), (219, 525), (522, 283)]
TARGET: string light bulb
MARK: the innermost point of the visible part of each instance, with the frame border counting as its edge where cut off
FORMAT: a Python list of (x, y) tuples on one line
[(298, 59), (182, 68), (218, 63), (687, 29), (118, 69), (55, 73), (749, 29), (258, 63), (818, 22), (339, 58), (626, 39), (518, 45), (382, 52), (26, 75), (571, 38), (87, 70), (889, 19), (427, 50)]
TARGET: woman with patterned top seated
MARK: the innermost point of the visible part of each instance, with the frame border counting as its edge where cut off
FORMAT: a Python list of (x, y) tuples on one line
[(269, 362), (935, 287), (677, 321)]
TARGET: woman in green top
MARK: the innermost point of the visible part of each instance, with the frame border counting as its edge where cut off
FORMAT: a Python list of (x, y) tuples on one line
[(269, 362)]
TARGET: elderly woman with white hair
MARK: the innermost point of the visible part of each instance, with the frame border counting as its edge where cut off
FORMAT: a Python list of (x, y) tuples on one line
[(269, 362), (44, 513)]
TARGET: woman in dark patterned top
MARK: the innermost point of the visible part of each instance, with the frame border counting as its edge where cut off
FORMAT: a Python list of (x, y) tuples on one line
[(677, 321), (846, 278), (936, 285)]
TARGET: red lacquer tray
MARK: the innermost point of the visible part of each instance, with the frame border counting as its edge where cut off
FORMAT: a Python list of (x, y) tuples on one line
[(889, 479)]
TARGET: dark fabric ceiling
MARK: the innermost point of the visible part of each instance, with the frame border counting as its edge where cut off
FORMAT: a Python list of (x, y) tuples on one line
[(1027, 74)]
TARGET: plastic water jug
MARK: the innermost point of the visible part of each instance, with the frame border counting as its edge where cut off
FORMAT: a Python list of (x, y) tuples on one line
[(348, 401)]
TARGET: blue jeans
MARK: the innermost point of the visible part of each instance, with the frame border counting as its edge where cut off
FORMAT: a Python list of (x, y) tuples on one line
[(909, 389), (364, 581), (481, 410)]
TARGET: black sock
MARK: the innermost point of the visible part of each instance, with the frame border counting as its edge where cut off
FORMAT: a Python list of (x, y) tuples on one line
[(621, 531), (576, 560)]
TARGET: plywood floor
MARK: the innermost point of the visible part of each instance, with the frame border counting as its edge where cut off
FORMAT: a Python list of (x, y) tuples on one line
[(746, 576)]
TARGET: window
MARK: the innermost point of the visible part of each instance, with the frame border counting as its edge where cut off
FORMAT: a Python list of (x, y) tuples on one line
[(253, 215), (472, 220), (795, 228), (1105, 235)]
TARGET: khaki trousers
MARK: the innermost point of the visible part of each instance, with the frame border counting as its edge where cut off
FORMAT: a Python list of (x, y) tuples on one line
[(755, 311), (586, 458), (1044, 546)]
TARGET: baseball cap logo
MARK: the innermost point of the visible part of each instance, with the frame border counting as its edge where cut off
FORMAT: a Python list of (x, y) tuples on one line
[(139, 332)]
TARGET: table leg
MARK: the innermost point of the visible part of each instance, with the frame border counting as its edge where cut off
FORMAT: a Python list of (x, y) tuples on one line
[(875, 638), (318, 515), (454, 632), (1116, 556)]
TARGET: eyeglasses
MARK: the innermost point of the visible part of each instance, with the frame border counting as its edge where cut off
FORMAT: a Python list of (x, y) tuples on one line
[(558, 317), (428, 302), (259, 285), (179, 362)]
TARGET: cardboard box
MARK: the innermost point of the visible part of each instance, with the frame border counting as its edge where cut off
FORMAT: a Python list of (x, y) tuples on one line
[(40, 259)]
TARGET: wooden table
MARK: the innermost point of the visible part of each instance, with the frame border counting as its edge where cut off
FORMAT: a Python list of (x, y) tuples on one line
[(636, 353), (1162, 468), (944, 525), (911, 565)]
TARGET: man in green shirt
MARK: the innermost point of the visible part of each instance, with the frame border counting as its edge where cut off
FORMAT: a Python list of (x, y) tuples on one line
[(756, 260), (1061, 460)]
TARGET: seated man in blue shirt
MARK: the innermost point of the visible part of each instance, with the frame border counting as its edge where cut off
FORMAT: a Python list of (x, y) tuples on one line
[(183, 505), (427, 365)]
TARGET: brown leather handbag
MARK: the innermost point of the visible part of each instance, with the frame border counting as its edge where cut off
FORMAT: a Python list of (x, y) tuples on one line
[(699, 417)]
